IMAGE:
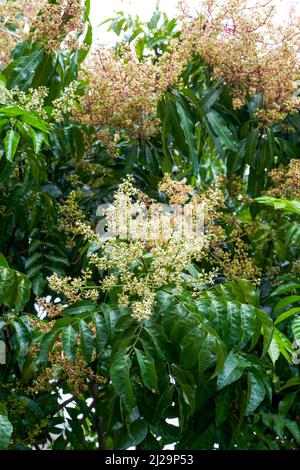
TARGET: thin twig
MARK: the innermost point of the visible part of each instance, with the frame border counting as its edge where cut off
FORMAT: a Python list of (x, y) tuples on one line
[(12, 33)]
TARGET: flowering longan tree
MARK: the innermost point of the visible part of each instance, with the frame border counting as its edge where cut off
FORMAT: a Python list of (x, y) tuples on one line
[(149, 236)]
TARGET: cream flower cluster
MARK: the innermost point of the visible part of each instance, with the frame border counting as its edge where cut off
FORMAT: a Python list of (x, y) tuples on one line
[(138, 266), (34, 100)]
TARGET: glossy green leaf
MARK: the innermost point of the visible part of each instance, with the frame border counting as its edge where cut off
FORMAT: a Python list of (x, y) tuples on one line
[(120, 377), (38, 139), (6, 430), (148, 370), (82, 306), (101, 332), (285, 302), (11, 143), (86, 340), (296, 328), (69, 340), (251, 145), (233, 370), (15, 288), (222, 131), (281, 204), (189, 135), (3, 262), (47, 343), (223, 405), (209, 97), (287, 314), (256, 392)]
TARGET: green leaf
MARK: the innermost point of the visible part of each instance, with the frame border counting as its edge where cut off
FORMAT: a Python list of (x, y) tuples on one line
[(293, 382), (190, 346), (47, 342), (212, 353), (287, 314), (34, 121), (256, 392), (69, 340), (274, 350), (285, 288), (138, 432), (285, 302), (3, 262), (101, 332), (224, 401), (169, 114), (11, 143), (21, 71), (280, 344), (22, 336), (293, 427), (83, 306), (267, 329), (296, 329), (120, 377), (86, 340), (22, 294), (32, 260), (286, 403), (58, 259), (251, 145), (164, 402), (30, 118), (189, 135), (256, 181), (233, 369), (235, 160), (38, 139), (282, 204), (15, 288), (6, 430), (219, 127), (147, 368), (209, 97), (12, 111)]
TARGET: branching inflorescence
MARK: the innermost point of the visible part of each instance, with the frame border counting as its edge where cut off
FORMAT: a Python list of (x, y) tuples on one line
[(259, 57), (148, 246), (50, 24)]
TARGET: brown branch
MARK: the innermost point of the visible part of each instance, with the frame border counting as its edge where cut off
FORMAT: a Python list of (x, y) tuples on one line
[(64, 404), (98, 419)]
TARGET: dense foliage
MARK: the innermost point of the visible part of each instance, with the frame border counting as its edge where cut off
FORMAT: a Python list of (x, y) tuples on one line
[(113, 343)]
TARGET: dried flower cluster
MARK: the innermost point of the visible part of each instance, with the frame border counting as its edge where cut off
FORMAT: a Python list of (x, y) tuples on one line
[(258, 57), (15, 17), (77, 375), (285, 181), (122, 93), (51, 24), (72, 221), (244, 47), (50, 309), (177, 191), (239, 264), (58, 22)]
